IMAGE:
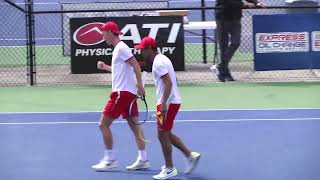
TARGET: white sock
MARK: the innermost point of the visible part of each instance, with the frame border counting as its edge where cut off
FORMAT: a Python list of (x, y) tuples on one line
[(109, 155), (142, 155)]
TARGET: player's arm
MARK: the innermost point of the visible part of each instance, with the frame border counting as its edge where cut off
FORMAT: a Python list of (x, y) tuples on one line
[(137, 70), (102, 66), (167, 91)]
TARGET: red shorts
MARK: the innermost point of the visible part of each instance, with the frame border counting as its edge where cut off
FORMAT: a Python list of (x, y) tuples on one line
[(119, 104), (169, 117)]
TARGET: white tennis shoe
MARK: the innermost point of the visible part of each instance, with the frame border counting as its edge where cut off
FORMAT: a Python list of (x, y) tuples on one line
[(166, 173), (192, 162), (104, 165), (139, 165)]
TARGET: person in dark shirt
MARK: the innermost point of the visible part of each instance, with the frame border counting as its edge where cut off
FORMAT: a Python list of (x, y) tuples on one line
[(228, 18)]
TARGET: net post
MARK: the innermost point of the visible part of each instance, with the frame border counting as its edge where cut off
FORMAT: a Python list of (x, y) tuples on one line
[(204, 33), (30, 43)]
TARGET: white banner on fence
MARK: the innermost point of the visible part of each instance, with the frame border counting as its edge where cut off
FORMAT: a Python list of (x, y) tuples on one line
[(282, 42)]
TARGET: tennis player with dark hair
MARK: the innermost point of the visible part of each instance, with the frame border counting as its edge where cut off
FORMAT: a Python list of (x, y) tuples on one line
[(124, 69), (228, 18), (168, 105)]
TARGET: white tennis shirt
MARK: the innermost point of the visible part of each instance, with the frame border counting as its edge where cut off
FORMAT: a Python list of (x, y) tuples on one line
[(123, 77), (162, 66)]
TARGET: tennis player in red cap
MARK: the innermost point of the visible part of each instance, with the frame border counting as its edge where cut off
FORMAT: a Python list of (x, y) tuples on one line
[(169, 101), (124, 70)]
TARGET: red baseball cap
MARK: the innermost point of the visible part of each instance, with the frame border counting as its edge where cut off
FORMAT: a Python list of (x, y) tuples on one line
[(111, 26), (146, 42)]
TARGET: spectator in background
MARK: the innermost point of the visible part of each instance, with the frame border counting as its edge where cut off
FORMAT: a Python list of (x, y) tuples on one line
[(228, 18)]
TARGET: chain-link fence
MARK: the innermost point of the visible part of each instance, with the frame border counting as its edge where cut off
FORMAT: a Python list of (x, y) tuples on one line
[(13, 53), (52, 43)]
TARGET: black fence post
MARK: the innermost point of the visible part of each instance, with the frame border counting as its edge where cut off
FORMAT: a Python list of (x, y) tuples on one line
[(204, 33), (30, 42)]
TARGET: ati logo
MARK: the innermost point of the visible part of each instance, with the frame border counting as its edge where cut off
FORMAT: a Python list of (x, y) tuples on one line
[(90, 34)]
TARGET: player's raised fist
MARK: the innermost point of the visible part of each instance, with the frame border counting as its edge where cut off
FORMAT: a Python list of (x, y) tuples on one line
[(101, 65)]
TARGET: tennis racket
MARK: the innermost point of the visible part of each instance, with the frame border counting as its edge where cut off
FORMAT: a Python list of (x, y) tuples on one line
[(139, 103), (142, 115)]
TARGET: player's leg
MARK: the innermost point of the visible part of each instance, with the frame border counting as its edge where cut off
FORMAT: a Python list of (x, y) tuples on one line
[(176, 141), (108, 116), (137, 132), (165, 141), (142, 161), (167, 171), (172, 111), (192, 158), (104, 125), (109, 159), (164, 132)]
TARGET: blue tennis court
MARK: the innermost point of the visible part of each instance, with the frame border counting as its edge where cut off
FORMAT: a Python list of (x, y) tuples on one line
[(280, 144)]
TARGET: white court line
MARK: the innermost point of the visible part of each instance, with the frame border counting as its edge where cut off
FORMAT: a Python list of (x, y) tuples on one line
[(189, 110), (178, 121)]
